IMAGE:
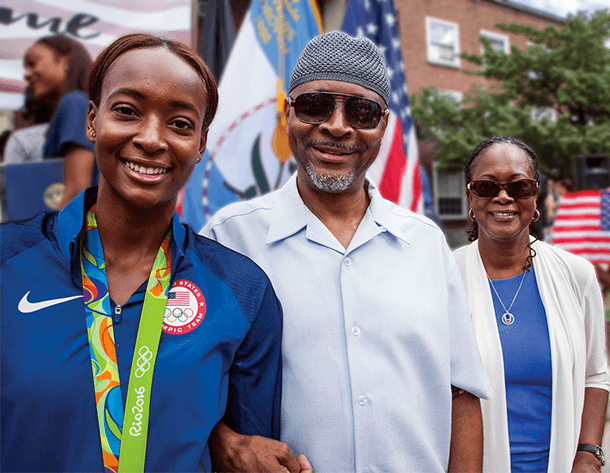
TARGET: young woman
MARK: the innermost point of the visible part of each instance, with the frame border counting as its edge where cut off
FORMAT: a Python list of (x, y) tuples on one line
[(56, 70), (122, 330), (538, 318)]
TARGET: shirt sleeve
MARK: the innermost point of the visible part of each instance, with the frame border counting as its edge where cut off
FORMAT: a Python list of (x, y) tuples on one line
[(597, 367), (255, 379), (467, 370), (68, 125), (13, 153)]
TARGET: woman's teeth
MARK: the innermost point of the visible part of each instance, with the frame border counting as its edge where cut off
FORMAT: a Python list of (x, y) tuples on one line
[(144, 170)]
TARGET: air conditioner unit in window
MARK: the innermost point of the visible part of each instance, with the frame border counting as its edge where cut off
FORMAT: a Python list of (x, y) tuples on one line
[(450, 201)]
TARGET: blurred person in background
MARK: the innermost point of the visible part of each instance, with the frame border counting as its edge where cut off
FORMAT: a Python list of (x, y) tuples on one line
[(563, 186), (57, 69), (26, 143), (537, 226), (550, 205)]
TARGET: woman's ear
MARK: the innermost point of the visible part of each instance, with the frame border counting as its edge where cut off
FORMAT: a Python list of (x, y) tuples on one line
[(91, 121), (64, 61)]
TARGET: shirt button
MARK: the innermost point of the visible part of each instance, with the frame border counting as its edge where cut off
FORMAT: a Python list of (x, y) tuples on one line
[(348, 261), (356, 331), (362, 400)]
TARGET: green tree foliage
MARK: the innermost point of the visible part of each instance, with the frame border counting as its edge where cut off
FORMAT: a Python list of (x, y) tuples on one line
[(567, 69)]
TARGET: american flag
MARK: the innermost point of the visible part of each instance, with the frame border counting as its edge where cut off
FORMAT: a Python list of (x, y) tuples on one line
[(396, 170), (178, 298), (582, 225)]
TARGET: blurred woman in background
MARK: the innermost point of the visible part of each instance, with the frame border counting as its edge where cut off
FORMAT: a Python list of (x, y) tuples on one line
[(57, 70)]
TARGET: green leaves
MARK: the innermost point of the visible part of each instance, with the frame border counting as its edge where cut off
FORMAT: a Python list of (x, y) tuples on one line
[(566, 70)]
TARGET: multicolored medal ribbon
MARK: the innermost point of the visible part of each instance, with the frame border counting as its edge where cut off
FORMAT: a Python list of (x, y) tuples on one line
[(109, 403)]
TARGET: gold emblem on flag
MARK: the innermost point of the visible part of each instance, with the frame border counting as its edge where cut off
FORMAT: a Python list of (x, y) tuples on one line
[(52, 195)]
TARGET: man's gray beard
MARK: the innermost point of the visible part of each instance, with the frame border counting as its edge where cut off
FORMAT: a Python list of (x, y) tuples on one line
[(331, 182)]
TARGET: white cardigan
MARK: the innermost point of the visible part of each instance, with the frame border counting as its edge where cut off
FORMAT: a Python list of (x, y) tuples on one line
[(573, 303)]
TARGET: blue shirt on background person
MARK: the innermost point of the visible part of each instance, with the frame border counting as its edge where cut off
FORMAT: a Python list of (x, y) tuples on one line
[(68, 125), (67, 128)]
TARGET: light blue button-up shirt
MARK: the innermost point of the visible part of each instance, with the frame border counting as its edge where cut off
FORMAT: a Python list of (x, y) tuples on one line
[(374, 335)]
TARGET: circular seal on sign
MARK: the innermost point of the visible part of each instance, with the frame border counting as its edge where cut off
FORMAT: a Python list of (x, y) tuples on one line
[(52, 195), (185, 308)]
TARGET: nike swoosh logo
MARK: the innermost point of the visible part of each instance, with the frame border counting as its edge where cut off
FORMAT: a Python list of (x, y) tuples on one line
[(26, 306)]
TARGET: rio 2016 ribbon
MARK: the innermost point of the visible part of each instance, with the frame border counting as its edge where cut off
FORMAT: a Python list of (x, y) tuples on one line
[(120, 452)]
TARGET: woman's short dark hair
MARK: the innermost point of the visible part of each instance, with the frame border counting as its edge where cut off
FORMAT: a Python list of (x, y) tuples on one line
[(473, 233), (79, 65), (141, 41)]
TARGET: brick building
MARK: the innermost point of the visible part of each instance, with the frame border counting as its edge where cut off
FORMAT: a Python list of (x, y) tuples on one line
[(434, 33)]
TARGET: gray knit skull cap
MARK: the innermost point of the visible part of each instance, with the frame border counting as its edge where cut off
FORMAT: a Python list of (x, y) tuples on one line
[(338, 56)]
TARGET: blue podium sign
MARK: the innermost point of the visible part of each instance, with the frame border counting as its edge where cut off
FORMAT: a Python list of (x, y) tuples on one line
[(32, 188)]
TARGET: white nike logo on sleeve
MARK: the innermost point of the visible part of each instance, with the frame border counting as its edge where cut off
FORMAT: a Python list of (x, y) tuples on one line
[(26, 306)]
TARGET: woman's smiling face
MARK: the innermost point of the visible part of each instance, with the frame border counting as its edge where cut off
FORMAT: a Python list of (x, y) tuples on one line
[(147, 128), (45, 71), (502, 217)]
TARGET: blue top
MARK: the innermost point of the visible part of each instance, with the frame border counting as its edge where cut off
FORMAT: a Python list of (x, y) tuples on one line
[(526, 351), (228, 348), (68, 125)]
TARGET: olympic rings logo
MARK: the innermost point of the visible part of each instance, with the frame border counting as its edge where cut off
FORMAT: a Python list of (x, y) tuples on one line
[(178, 314), (143, 362)]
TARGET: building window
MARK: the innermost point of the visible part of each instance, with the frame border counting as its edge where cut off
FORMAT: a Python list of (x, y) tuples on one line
[(454, 95), (443, 42), (498, 42), (450, 202)]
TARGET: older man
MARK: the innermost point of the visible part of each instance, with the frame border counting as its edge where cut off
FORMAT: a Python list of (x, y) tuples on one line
[(377, 330)]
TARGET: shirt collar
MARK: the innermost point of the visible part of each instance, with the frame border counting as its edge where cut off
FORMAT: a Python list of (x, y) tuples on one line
[(289, 212), (386, 214), (70, 222), (290, 215)]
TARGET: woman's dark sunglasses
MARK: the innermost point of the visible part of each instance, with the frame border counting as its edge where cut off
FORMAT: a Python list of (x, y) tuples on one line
[(317, 107), (517, 189)]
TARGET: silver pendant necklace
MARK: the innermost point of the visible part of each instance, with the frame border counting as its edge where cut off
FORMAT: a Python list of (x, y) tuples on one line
[(508, 318)]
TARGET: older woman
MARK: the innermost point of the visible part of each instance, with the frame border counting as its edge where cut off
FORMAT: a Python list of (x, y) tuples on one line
[(122, 330), (538, 317)]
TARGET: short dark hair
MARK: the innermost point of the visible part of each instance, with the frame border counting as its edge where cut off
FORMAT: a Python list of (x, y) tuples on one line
[(140, 41), (79, 65), (473, 233)]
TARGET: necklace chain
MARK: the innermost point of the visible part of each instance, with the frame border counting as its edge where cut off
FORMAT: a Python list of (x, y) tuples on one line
[(508, 318)]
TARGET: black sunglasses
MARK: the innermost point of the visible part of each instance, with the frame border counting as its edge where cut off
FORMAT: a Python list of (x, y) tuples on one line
[(317, 107), (517, 189)]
